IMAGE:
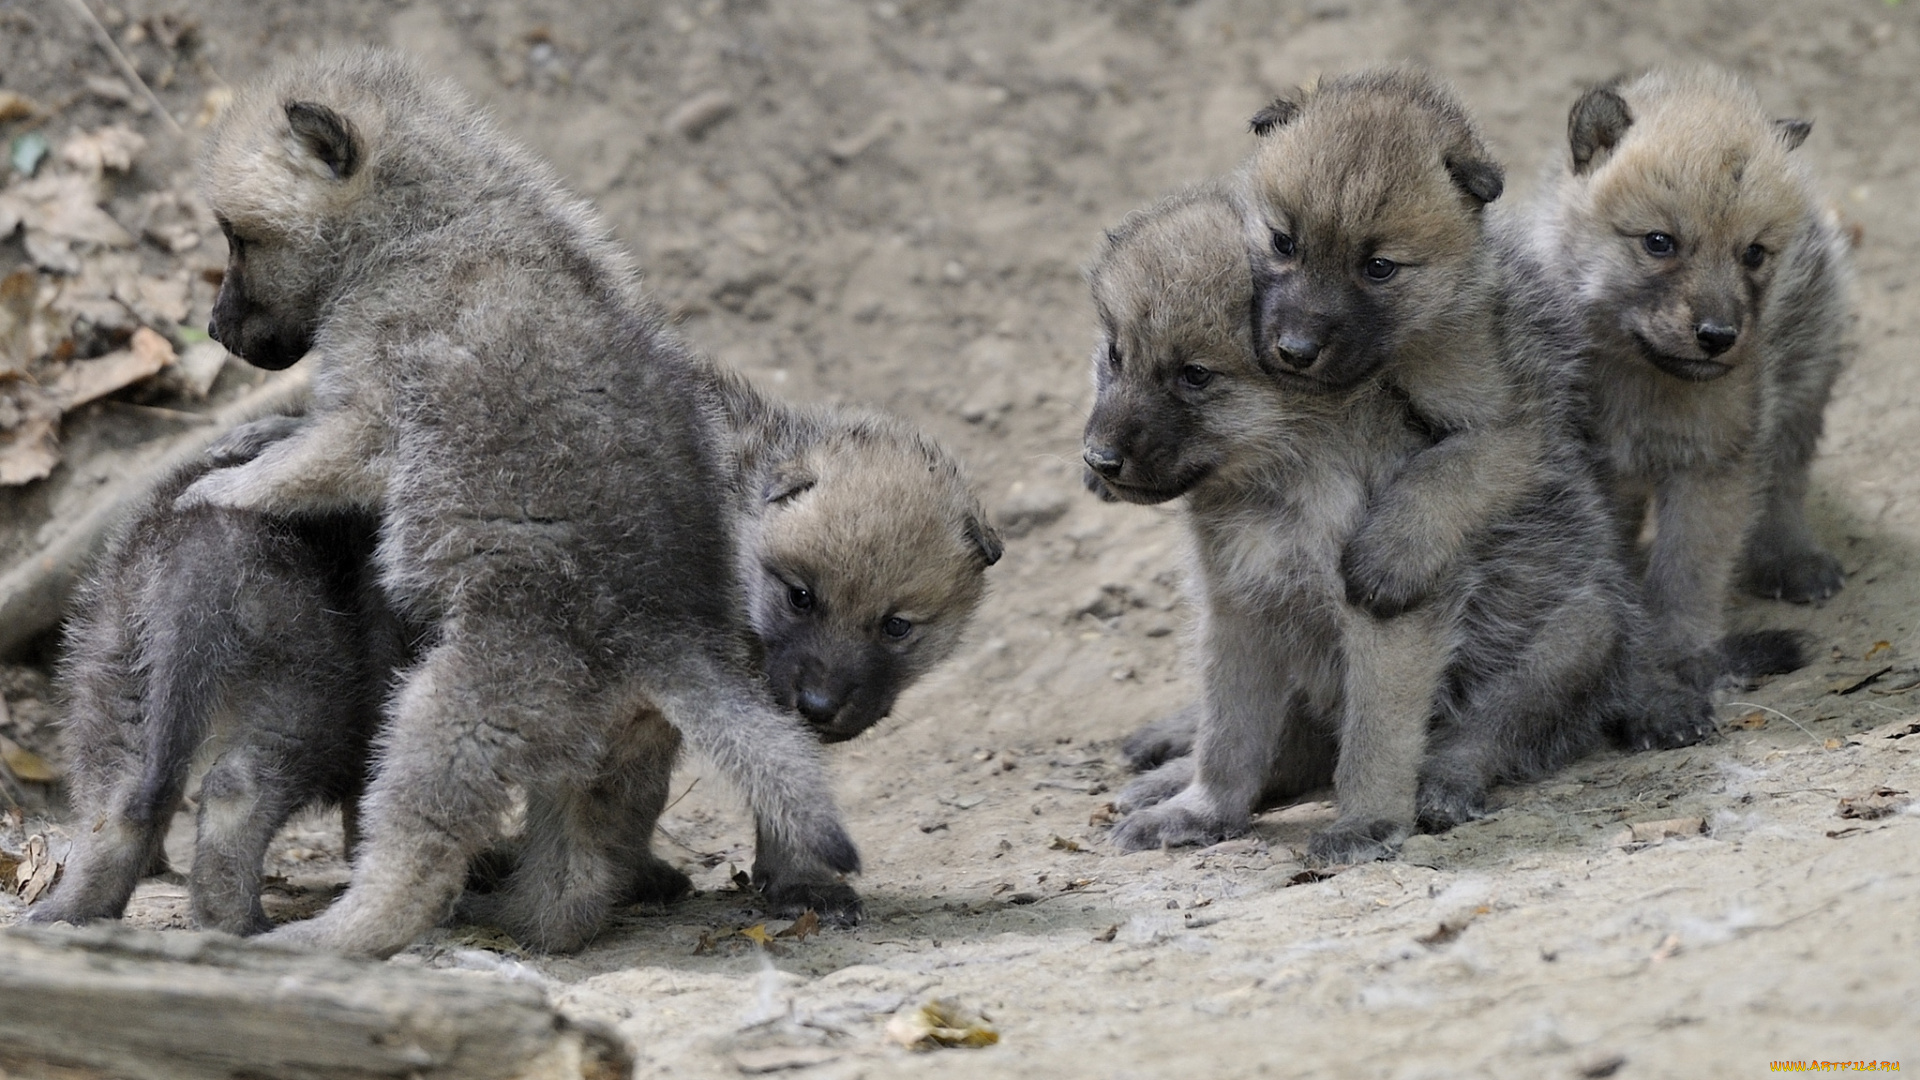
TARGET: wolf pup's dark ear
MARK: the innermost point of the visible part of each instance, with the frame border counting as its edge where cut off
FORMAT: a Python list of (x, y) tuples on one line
[(789, 478), (327, 135), (984, 538), (1483, 181), (1792, 132), (1278, 114), (1595, 124)]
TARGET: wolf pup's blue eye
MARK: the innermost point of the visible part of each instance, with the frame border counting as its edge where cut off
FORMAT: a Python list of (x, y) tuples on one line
[(800, 598), (897, 627), (1380, 269), (1659, 244), (1753, 256), (1282, 244)]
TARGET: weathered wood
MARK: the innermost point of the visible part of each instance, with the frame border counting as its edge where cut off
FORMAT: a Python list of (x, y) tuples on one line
[(113, 1002), (33, 595)]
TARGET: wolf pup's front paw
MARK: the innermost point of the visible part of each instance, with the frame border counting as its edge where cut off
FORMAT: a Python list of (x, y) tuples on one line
[(1346, 842), (1380, 583)]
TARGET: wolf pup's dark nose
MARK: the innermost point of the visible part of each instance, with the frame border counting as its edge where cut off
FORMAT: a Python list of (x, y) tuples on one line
[(1715, 337), (1103, 461)]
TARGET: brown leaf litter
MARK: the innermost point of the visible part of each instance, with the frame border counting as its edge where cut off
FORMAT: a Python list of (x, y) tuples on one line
[(942, 1022)]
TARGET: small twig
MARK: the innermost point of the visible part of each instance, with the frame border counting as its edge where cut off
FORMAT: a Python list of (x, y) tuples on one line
[(1776, 712), (682, 844), (178, 416), (676, 801), (106, 41)]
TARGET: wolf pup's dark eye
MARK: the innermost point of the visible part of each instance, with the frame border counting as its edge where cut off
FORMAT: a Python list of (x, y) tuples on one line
[(1193, 376), (801, 598), (1753, 256), (1379, 269), (1659, 244), (1282, 244), (897, 627)]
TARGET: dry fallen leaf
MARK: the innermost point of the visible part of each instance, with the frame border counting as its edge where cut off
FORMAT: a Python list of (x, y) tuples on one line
[(25, 764), (1752, 721), (941, 1022), (757, 933), (1878, 648), (803, 927), (112, 147), (89, 380), (1104, 814), (1061, 843), (32, 448), (9, 863), (60, 210), (1653, 832), (1107, 934), (37, 870), (1847, 684), (17, 106), (1874, 805)]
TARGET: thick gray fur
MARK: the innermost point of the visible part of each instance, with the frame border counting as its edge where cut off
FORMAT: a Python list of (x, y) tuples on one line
[(544, 453), (1512, 660), (1709, 376), (259, 643)]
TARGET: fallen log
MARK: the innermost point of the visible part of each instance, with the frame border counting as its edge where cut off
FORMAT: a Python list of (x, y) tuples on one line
[(113, 1002), (33, 594)]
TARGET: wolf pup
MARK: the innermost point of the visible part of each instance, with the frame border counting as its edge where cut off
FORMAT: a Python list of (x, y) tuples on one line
[(549, 464), (263, 638), (1687, 236)]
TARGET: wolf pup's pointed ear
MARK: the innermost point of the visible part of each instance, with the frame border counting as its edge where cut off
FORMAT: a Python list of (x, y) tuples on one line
[(984, 538), (789, 478), (1278, 114), (1595, 124), (1792, 132), (1483, 181), (326, 135)]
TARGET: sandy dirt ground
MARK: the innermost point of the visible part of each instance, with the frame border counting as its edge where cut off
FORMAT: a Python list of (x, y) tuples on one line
[(890, 204)]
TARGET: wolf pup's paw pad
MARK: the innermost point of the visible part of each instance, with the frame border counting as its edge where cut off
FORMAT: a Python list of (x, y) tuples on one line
[(1169, 825), (1800, 578), (1666, 732), (835, 902), (1345, 843), (1443, 808)]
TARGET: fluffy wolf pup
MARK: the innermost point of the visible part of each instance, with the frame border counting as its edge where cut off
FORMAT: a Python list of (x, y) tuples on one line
[(264, 638), (1686, 235), (549, 462)]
